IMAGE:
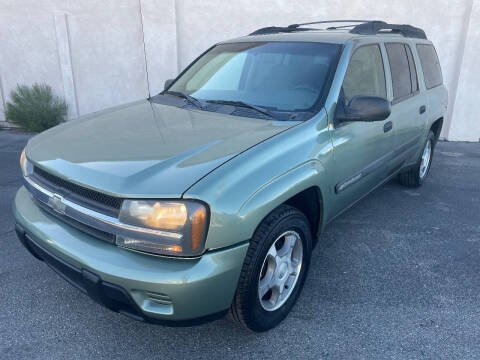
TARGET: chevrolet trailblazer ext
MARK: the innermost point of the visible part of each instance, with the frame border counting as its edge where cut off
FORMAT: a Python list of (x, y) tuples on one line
[(209, 196)]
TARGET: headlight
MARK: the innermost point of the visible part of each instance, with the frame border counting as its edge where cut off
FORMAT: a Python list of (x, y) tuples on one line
[(181, 226), (27, 167)]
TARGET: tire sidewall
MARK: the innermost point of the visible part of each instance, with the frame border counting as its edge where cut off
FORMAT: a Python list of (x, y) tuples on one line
[(262, 318)]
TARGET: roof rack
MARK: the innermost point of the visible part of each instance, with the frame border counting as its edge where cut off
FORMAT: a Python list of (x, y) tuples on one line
[(375, 27), (361, 27)]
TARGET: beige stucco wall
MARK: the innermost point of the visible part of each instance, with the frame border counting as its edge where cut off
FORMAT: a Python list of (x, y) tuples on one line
[(95, 53)]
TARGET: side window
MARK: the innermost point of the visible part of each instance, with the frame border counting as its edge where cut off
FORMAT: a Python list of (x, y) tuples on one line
[(400, 68), (365, 74), (430, 65), (413, 69)]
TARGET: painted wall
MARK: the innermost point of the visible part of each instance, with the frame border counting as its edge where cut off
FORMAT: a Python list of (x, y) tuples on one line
[(95, 53)]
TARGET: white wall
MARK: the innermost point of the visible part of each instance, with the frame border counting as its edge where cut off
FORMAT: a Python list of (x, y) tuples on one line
[(465, 123), (93, 52)]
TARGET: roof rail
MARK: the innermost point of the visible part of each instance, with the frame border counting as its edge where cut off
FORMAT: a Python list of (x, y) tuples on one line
[(374, 27), (365, 27), (298, 27), (276, 30)]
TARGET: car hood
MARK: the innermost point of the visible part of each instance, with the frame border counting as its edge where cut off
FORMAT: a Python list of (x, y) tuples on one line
[(145, 149)]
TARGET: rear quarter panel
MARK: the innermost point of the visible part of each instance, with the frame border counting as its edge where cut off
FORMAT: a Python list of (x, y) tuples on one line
[(436, 98)]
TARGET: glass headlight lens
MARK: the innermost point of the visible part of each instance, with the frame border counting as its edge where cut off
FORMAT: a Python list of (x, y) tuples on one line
[(26, 166), (180, 226)]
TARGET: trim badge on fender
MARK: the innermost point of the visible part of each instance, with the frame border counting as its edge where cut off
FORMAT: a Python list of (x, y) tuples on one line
[(56, 203)]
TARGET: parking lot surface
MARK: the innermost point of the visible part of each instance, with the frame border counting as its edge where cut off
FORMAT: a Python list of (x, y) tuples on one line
[(396, 276)]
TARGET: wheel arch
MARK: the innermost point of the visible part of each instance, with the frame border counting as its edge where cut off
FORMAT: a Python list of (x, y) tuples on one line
[(310, 203), (436, 127), (299, 188)]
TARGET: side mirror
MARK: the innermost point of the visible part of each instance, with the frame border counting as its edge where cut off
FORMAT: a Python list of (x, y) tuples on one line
[(168, 83), (365, 108)]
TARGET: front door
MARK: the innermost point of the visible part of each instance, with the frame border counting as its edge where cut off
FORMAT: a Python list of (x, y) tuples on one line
[(359, 147)]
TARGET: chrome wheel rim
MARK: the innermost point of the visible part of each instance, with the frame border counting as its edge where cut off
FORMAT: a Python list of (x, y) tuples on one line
[(427, 153), (280, 270)]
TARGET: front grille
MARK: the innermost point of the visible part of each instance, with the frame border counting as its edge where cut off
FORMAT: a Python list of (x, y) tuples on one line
[(99, 234), (91, 199)]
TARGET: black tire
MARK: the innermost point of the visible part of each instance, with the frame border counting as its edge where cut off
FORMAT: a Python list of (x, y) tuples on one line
[(246, 308), (411, 177)]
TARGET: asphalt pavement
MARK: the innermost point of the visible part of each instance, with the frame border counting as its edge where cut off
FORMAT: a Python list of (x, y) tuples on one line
[(396, 276)]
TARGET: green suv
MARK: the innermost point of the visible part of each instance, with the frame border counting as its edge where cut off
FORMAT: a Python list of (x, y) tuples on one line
[(209, 197)]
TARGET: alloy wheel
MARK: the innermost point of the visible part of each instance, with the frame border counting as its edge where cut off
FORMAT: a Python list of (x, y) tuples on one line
[(280, 270), (425, 162)]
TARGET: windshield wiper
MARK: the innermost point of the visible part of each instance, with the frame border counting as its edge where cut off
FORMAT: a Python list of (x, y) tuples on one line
[(189, 98), (244, 104)]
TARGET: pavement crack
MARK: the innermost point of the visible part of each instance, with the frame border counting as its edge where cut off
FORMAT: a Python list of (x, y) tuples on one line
[(7, 232)]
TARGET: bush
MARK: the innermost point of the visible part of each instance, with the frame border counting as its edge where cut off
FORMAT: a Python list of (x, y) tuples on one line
[(35, 108)]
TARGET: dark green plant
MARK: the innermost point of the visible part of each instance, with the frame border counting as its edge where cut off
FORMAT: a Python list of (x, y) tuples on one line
[(35, 108)]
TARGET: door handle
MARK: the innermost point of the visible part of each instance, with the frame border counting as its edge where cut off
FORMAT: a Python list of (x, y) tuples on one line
[(387, 126), (422, 109)]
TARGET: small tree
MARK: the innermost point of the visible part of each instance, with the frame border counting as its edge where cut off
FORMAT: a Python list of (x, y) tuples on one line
[(35, 108)]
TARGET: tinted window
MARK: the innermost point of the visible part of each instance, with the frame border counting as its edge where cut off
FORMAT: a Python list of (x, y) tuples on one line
[(365, 75), (413, 69), (430, 65), (400, 69)]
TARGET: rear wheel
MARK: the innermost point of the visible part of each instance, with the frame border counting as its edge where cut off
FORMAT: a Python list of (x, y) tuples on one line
[(274, 270), (415, 176)]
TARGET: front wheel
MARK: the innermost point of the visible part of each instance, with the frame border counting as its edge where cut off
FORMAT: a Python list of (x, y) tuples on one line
[(274, 270), (415, 176)]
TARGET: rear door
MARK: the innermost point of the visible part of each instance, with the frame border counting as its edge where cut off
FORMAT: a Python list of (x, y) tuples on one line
[(360, 146), (435, 94), (408, 106)]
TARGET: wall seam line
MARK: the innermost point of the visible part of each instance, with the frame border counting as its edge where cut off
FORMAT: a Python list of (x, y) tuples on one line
[(458, 67), (67, 25), (177, 36), (2, 95), (144, 47)]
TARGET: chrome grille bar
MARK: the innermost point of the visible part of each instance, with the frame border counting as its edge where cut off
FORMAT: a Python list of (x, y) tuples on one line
[(95, 219)]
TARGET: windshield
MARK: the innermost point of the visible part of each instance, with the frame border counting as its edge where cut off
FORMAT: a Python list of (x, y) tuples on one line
[(278, 76)]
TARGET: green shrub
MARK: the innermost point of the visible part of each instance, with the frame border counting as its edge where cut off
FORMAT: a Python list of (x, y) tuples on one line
[(35, 108)]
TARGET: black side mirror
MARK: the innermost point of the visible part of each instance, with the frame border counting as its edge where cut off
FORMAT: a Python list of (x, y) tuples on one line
[(168, 83), (365, 108)]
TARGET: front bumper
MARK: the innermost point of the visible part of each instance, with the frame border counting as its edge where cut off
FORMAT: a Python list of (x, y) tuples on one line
[(145, 287)]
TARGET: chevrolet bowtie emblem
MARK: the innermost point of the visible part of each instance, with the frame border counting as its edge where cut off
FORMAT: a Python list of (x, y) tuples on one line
[(57, 204)]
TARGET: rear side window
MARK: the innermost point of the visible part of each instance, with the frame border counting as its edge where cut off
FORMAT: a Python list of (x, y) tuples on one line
[(430, 65), (365, 75), (413, 69), (402, 67)]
